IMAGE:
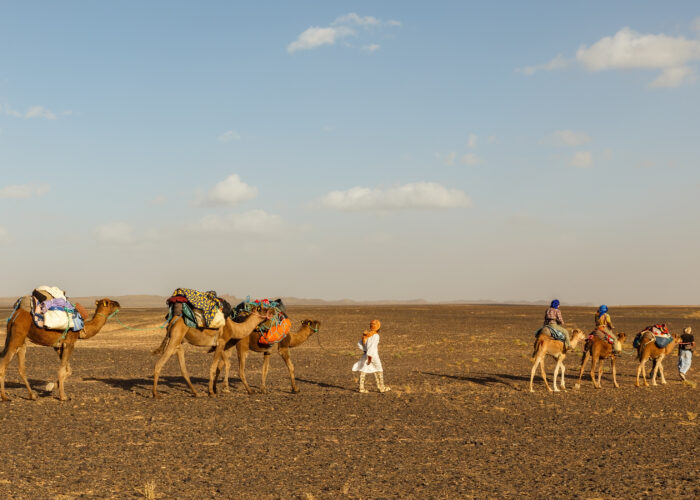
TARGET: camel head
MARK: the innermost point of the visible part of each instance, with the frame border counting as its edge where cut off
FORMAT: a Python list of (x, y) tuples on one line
[(313, 324), (621, 337), (106, 306), (577, 335)]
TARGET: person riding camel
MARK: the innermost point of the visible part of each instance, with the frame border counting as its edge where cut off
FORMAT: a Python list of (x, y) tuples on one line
[(552, 316), (603, 323)]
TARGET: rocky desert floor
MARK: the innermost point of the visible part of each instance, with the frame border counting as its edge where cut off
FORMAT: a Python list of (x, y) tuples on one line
[(459, 421)]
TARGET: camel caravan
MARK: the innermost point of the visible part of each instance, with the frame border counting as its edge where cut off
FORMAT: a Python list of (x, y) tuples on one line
[(653, 342), (203, 319)]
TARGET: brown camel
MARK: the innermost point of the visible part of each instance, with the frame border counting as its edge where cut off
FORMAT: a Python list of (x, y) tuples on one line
[(647, 349), (177, 331), (21, 326), (251, 343), (546, 345), (599, 350)]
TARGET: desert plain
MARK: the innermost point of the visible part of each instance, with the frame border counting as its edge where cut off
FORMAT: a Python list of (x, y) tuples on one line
[(459, 421)]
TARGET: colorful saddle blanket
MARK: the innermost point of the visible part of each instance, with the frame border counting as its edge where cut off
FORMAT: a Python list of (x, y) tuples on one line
[(660, 339), (602, 335), (555, 331), (207, 302), (53, 314)]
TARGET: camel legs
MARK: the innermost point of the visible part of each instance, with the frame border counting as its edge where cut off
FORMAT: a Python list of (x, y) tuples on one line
[(64, 370), (584, 361), (658, 368), (242, 354), (594, 364), (284, 352), (225, 362), (9, 354), (215, 368), (614, 373), (21, 354), (265, 368), (601, 366), (176, 336), (641, 368), (183, 368), (539, 360), (560, 368)]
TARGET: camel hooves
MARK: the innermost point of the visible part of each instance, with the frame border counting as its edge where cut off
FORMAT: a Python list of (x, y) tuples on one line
[(33, 396), (296, 391)]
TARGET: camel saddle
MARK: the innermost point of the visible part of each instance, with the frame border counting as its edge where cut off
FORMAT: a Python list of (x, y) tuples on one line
[(554, 332)]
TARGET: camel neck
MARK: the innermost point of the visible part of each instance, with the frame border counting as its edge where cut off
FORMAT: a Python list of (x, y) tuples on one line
[(300, 336), (95, 324)]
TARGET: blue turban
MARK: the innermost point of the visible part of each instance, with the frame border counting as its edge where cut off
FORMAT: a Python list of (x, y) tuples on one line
[(602, 309), (555, 304)]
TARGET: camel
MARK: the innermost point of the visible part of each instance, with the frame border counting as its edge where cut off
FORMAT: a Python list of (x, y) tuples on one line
[(648, 349), (294, 339), (21, 326), (546, 345), (216, 338), (599, 350)]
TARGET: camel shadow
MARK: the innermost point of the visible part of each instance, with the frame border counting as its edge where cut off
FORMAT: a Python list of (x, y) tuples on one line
[(132, 384), (36, 384), (324, 384), (485, 380)]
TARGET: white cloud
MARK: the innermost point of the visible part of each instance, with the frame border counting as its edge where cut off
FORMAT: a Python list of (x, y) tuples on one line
[(471, 141), (628, 49), (314, 37), (4, 235), (24, 191), (450, 158), (568, 138), (418, 195), (39, 112), (582, 159), (230, 136), (115, 233), (491, 139), (559, 62), (674, 77), (342, 27), (252, 222), (471, 159), (353, 18), (32, 112), (230, 191)]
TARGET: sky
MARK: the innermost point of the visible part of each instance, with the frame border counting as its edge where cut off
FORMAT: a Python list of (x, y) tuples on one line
[(450, 150)]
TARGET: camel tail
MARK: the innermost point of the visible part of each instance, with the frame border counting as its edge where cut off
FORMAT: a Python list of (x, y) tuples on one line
[(535, 348), (7, 340), (163, 345)]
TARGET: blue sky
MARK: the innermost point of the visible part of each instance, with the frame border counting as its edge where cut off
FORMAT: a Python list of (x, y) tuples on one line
[(370, 150)]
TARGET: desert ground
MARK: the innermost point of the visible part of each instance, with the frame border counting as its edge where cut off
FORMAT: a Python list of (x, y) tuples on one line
[(459, 422)]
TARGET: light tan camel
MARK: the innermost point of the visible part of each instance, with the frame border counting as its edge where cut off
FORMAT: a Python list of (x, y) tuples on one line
[(21, 326), (216, 338), (251, 343), (546, 345), (599, 350), (647, 349)]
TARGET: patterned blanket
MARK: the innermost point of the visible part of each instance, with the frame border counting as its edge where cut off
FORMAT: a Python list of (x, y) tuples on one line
[(208, 302)]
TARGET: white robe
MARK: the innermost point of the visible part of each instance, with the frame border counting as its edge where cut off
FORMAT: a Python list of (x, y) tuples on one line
[(371, 349)]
